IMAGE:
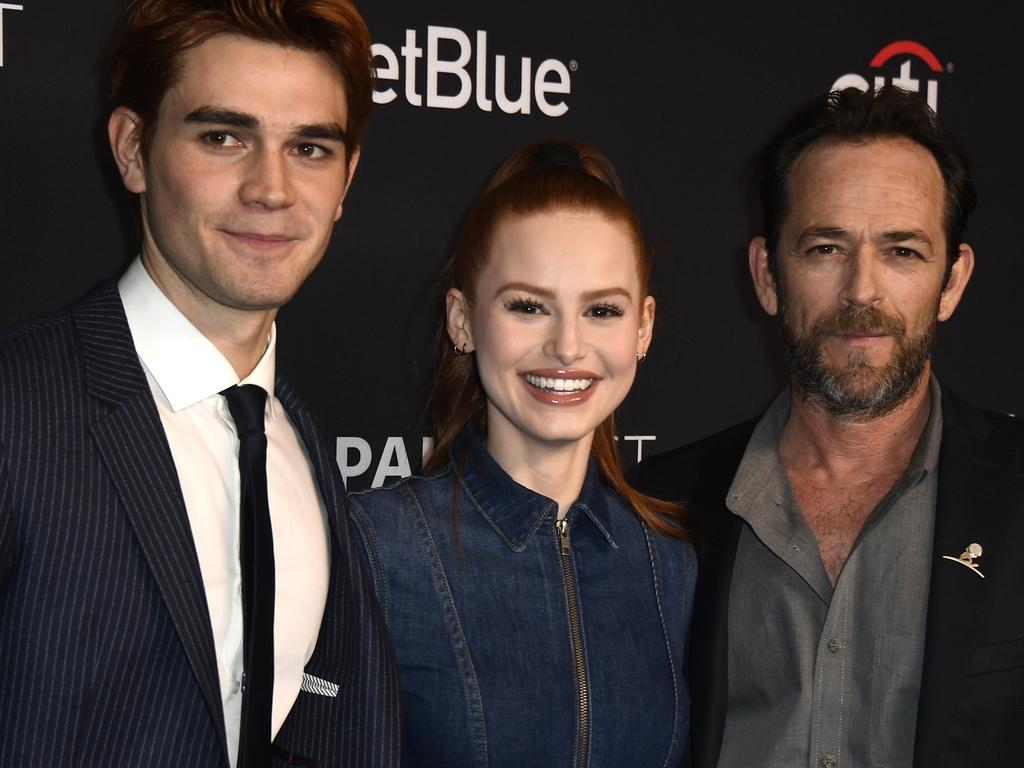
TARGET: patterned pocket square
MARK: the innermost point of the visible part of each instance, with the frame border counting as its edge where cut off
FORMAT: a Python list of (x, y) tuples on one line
[(319, 686)]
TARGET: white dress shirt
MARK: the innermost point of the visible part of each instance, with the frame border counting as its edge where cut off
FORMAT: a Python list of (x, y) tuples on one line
[(186, 373)]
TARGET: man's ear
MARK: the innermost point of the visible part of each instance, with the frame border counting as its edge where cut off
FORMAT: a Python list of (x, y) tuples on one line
[(353, 162), (460, 330), (124, 129), (959, 275), (761, 273)]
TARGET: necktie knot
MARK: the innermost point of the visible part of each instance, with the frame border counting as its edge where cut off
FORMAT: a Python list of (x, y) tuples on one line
[(247, 403)]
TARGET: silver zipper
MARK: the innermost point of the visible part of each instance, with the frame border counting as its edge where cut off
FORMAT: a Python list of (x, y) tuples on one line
[(582, 689)]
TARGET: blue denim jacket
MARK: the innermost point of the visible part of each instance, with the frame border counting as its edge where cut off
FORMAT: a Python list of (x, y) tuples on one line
[(482, 629)]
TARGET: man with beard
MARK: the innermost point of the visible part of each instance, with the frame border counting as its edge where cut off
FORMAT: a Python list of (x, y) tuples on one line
[(859, 593)]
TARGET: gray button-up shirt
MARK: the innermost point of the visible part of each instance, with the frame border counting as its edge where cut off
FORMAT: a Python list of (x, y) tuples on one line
[(823, 677)]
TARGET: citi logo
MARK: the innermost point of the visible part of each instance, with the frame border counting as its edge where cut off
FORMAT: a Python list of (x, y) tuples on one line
[(455, 70), (898, 50)]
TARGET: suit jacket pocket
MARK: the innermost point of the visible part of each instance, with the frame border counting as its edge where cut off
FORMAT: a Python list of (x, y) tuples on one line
[(995, 682), (995, 657), (282, 757)]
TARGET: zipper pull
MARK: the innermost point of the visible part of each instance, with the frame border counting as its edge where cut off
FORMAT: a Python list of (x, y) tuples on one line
[(563, 533)]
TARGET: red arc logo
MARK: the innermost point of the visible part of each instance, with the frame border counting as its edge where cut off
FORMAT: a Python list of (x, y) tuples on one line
[(907, 46)]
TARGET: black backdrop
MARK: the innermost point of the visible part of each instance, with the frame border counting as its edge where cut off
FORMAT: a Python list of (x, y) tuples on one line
[(678, 95)]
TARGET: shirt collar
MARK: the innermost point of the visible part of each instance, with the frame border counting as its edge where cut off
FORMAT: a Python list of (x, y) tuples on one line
[(759, 482), (185, 365), (761, 476), (514, 511)]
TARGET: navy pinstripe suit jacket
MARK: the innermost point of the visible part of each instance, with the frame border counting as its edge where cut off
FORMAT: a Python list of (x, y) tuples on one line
[(106, 651)]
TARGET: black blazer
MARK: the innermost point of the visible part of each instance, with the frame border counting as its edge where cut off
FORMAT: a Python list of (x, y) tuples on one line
[(971, 705), (106, 650)]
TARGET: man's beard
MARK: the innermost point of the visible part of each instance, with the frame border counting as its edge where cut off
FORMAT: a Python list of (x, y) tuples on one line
[(856, 390)]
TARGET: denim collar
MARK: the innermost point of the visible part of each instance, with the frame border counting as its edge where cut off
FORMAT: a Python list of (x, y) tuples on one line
[(514, 511)]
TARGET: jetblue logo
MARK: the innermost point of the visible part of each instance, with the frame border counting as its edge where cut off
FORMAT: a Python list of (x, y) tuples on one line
[(905, 52), (456, 70), (6, 7)]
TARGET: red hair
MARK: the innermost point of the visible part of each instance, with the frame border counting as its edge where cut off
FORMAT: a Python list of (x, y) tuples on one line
[(527, 183), (155, 34)]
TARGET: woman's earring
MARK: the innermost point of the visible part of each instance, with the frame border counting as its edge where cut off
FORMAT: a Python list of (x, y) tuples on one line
[(463, 350), (641, 357)]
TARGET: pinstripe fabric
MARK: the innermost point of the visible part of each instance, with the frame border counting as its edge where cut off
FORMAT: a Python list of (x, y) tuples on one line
[(360, 726), (106, 651)]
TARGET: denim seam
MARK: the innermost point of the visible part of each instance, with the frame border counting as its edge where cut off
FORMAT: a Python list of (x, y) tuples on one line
[(380, 582), (597, 523), (470, 684), (690, 564), (656, 573)]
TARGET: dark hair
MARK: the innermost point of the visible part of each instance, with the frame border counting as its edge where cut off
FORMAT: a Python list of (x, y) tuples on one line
[(852, 115), (542, 177), (155, 34)]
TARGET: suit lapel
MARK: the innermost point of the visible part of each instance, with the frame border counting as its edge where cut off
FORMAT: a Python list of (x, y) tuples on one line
[(130, 438), (326, 660), (305, 425), (717, 538), (314, 726), (360, 725), (711, 642), (955, 594)]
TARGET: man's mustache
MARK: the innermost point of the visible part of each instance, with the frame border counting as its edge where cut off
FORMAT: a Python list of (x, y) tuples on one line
[(859, 321)]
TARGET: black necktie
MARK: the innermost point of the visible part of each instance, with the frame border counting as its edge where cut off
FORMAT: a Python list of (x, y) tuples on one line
[(246, 404)]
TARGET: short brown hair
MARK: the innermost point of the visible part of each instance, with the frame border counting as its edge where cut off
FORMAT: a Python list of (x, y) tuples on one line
[(155, 34), (852, 115)]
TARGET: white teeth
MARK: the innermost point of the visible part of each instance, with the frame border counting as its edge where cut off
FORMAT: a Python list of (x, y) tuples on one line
[(559, 385)]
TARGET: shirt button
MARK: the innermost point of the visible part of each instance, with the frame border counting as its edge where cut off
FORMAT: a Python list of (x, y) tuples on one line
[(828, 760), (835, 645)]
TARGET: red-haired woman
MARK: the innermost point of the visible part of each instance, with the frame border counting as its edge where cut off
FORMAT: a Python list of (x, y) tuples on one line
[(538, 605)]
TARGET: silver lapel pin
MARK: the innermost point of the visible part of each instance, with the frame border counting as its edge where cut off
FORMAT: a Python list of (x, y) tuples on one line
[(967, 557)]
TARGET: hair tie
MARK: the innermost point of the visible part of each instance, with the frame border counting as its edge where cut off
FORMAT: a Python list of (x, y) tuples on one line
[(559, 153)]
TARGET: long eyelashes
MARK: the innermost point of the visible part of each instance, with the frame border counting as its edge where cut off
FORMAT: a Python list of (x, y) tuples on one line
[(606, 310), (524, 304), (529, 306)]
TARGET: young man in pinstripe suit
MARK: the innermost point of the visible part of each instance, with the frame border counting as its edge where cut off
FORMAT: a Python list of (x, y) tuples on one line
[(237, 124)]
